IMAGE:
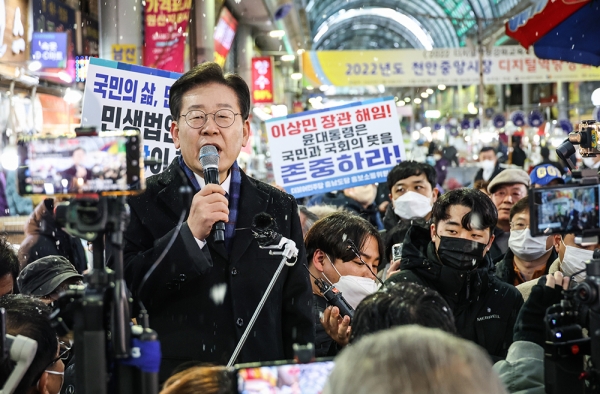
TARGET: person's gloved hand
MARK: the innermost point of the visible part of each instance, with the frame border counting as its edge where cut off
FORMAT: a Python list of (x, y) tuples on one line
[(530, 324)]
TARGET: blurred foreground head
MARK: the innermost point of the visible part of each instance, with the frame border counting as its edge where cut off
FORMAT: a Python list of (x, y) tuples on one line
[(205, 380), (401, 304), (413, 359)]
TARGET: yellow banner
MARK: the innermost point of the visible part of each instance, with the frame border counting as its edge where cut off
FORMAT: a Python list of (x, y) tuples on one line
[(124, 53), (447, 66)]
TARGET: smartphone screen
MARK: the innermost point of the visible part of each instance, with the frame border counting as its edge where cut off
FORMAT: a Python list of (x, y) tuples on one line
[(288, 378), (105, 164), (564, 209), (397, 251)]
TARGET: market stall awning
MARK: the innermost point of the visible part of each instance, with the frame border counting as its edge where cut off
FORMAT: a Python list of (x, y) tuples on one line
[(566, 30)]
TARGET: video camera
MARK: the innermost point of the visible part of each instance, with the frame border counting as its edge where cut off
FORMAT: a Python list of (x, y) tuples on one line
[(573, 209), (96, 171)]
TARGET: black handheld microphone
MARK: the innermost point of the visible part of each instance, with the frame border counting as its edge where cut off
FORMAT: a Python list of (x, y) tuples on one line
[(334, 297), (209, 159)]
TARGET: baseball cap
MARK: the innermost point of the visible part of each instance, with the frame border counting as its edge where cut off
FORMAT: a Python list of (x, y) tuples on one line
[(44, 275), (509, 176), (544, 174)]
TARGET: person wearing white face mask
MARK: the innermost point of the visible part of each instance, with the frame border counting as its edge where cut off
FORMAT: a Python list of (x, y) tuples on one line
[(330, 257), (488, 163), (528, 257), (412, 192), (571, 260)]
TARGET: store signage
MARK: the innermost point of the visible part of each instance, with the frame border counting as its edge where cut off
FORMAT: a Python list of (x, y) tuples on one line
[(81, 68), (448, 66), (166, 23), (465, 124), (50, 49), (518, 118), (566, 125), (125, 53), (499, 121), (224, 33), (453, 130), (119, 95), (54, 16), (335, 148), (262, 80), (535, 118)]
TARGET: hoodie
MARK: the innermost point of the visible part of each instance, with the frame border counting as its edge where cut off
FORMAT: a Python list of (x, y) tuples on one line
[(485, 309), (43, 237)]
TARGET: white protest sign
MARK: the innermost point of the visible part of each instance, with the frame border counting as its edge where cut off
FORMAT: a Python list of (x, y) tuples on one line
[(119, 95), (336, 148)]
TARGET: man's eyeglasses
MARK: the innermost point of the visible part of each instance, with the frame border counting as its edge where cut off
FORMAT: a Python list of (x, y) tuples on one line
[(196, 119), (65, 353), (352, 247)]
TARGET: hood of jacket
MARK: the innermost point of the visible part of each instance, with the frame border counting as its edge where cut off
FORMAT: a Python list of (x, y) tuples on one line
[(41, 220), (390, 219), (456, 286)]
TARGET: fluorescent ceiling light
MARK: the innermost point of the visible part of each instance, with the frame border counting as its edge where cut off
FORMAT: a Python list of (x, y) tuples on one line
[(64, 76), (432, 114), (35, 65), (277, 33), (296, 76), (72, 96), (288, 58)]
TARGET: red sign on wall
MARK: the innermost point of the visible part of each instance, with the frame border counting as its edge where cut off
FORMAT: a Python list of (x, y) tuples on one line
[(224, 33), (165, 25), (262, 80)]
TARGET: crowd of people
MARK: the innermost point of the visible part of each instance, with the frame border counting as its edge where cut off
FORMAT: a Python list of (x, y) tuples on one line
[(459, 310)]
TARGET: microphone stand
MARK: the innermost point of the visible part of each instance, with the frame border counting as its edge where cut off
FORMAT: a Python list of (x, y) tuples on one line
[(290, 251)]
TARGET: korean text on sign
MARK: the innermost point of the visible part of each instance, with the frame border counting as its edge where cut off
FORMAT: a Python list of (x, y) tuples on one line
[(319, 151), (119, 96)]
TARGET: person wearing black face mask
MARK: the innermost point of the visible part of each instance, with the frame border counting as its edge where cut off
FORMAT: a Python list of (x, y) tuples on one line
[(457, 265)]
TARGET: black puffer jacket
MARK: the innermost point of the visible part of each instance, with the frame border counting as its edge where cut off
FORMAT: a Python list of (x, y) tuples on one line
[(485, 308)]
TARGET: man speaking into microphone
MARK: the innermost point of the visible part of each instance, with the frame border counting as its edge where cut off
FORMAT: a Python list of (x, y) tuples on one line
[(201, 296)]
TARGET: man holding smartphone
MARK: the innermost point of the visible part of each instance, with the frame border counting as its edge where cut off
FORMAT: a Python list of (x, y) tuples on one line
[(413, 191), (201, 297)]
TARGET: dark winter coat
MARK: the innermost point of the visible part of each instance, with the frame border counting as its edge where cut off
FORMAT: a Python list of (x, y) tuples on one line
[(505, 270), (201, 300), (43, 237), (485, 308), (370, 213)]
